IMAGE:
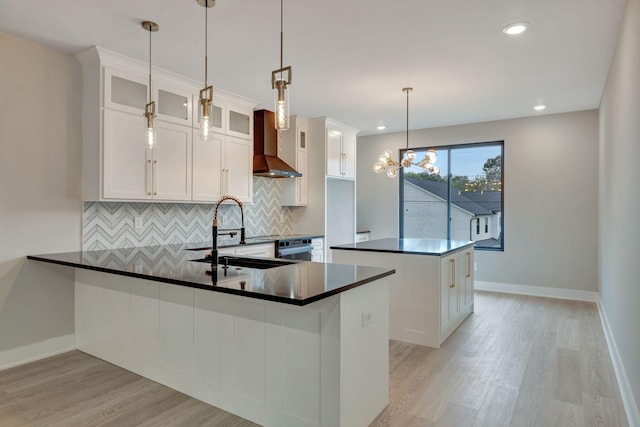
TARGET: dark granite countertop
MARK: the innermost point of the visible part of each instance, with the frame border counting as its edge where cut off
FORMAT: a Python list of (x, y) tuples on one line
[(436, 247), (299, 283)]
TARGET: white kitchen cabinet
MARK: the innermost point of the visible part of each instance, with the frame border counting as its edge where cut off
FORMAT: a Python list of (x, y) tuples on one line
[(125, 90), (127, 163), (331, 201), (238, 168), (223, 165), (115, 92), (230, 116), (266, 250), (449, 295), (207, 167), (341, 152), (132, 172), (174, 102), (171, 171), (292, 148), (456, 288), (317, 253)]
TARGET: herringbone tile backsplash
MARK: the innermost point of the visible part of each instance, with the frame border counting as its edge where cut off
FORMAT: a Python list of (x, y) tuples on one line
[(109, 225)]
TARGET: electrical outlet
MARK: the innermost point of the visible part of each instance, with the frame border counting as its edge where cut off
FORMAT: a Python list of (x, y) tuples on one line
[(137, 222), (475, 266), (366, 318)]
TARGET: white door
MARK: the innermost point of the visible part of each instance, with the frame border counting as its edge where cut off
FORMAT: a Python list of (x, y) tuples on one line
[(172, 162), (126, 174), (207, 168), (238, 173)]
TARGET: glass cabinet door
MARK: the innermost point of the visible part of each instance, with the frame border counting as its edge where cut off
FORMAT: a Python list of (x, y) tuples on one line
[(217, 121), (240, 121), (124, 91), (173, 105)]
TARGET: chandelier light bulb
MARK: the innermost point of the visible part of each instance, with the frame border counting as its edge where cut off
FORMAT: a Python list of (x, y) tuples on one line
[(392, 172), (386, 156), (431, 156), (379, 167)]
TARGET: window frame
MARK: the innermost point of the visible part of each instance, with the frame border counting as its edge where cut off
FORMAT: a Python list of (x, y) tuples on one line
[(449, 148)]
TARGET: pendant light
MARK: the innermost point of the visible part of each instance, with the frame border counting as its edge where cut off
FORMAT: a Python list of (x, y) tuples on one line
[(386, 162), (150, 108), (206, 94), (279, 83)]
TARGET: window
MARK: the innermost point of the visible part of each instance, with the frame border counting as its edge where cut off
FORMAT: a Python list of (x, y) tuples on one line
[(451, 205)]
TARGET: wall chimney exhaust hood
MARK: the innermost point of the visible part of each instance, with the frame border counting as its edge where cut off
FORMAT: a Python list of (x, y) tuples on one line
[(265, 148)]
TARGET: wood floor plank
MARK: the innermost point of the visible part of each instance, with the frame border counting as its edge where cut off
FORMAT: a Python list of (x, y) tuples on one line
[(517, 361)]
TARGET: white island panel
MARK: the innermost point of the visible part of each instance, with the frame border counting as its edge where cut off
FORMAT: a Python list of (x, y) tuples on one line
[(276, 364)]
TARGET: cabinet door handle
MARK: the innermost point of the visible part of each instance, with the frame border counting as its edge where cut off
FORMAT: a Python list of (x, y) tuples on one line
[(453, 273), (149, 177), (468, 264), (155, 176)]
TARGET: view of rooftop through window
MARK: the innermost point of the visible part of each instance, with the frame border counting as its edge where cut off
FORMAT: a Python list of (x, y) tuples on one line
[(453, 204)]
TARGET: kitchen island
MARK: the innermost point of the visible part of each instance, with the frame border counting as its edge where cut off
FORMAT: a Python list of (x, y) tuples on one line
[(431, 293), (301, 344)]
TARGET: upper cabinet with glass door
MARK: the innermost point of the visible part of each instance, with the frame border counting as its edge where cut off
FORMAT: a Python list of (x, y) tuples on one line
[(230, 116), (125, 91), (174, 102)]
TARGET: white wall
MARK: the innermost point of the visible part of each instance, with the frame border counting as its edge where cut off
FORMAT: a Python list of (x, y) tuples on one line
[(40, 207), (620, 198), (551, 202)]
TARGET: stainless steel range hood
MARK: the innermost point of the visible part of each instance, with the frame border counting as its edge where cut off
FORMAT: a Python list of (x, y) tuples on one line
[(265, 148)]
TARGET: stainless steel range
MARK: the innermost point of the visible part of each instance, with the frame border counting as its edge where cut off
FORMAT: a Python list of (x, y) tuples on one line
[(298, 248)]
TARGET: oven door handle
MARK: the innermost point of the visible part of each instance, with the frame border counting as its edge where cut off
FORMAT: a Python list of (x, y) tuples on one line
[(293, 250)]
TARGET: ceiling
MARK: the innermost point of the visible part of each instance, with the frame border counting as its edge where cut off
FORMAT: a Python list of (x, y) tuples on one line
[(351, 58)]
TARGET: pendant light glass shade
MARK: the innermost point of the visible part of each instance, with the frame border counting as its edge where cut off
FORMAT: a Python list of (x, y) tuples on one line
[(386, 163), (150, 109), (206, 94), (279, 83)]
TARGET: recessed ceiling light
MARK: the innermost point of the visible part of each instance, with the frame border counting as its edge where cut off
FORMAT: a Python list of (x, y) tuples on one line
[(515, 28), (540, 107), (381, 127)]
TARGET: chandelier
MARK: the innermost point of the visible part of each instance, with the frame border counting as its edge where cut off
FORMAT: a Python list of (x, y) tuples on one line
[(386, 162)]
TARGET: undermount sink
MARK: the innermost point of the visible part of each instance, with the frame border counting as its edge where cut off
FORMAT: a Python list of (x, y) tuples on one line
[(233, 261)]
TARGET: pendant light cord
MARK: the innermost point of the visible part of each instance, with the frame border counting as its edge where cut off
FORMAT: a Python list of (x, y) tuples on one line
[(408, 118), (150, 31), (206, 41), (281, 35)]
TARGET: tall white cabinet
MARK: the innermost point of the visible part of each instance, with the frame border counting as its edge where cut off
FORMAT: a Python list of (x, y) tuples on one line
[(331, 199), (182, 168)]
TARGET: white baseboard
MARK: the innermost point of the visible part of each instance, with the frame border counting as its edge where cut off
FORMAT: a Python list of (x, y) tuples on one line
[(40, 350), (630, 406), (538, 291)]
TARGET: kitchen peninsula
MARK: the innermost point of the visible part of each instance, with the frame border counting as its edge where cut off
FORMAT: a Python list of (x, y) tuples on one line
[(432, 291), (302, 343)]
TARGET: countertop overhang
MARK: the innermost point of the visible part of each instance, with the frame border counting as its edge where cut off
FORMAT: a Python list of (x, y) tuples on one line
[(434, 247), (299, 283)]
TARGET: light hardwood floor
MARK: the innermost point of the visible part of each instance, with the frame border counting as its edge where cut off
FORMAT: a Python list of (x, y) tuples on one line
[(517, 361)]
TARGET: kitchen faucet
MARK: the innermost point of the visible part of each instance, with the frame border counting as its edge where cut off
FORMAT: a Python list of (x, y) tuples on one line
[(214, 249)]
